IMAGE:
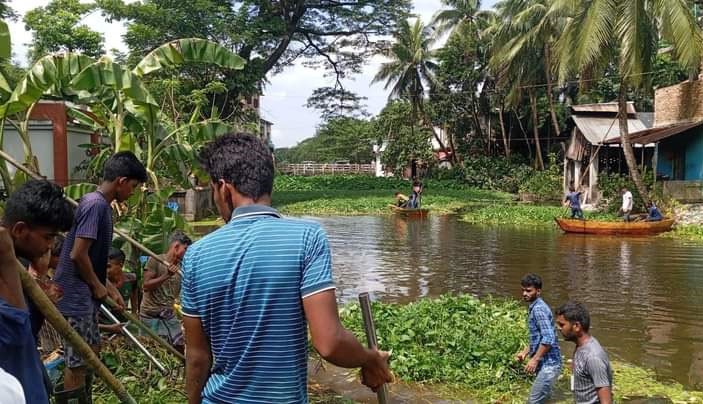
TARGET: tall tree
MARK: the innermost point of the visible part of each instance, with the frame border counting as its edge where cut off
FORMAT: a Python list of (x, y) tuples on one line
[(56, 27), (411, 69), (630, 30), (517, 62), (337, 102), (269, 35)]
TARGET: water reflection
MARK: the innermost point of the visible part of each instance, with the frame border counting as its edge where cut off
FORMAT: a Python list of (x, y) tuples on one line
[(644, 293)]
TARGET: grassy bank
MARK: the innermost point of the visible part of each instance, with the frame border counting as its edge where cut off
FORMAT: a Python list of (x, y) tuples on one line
[(462, 344), (350, 195)]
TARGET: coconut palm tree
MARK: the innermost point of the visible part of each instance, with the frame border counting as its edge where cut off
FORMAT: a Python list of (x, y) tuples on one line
[(411, 69), (520, 60), (630, 31)]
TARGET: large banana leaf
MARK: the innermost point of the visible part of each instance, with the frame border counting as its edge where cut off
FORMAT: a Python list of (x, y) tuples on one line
[(188, 50), (76, 191), (5, 42), (106, 74), (50, 75)]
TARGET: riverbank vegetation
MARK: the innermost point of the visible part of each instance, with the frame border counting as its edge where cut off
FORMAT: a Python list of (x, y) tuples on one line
[(463, 344)]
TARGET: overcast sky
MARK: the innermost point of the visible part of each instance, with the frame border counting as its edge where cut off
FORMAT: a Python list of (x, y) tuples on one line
[(285, 95)]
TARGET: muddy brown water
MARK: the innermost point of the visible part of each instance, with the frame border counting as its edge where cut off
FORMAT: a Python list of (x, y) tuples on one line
[(645, 295)]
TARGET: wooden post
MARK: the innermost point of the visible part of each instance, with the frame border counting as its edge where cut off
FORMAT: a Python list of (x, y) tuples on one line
[(370, 329)]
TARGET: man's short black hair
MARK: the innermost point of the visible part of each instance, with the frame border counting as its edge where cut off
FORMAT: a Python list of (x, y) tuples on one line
[(574, 312), (39, 203), (242, 160), (58, 245), (531, 280), (124, 164), (179, 236), (116, 254)]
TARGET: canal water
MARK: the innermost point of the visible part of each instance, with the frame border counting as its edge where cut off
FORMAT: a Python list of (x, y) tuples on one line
[(645, 295)]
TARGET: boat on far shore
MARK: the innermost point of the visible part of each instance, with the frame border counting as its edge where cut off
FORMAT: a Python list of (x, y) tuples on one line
[(421, 213), (639, 228)]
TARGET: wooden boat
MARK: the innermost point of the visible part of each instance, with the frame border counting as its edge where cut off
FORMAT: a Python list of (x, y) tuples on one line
[(409, 212), (614, 228)]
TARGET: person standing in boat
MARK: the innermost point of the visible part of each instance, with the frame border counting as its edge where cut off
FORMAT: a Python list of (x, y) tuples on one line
[(416, 197), (573, 200), (626, 208)]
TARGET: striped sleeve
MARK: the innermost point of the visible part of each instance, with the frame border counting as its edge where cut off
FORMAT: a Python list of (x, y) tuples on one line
[(88, 220), (317, 269), (188, 293)]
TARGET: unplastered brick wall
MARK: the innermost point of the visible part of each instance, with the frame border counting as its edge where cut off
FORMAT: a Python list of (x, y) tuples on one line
[(680, 103)]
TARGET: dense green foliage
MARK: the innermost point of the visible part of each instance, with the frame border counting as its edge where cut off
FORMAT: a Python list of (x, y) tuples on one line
[(57, 27), (545, 185), (268, 35), (452, 339), (347, 139)]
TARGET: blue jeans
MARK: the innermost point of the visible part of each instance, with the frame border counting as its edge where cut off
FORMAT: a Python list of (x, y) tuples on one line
[(576, 213), (543, 384)]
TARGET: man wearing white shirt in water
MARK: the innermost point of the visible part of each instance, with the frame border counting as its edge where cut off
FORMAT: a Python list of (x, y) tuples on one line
[(626, 208)]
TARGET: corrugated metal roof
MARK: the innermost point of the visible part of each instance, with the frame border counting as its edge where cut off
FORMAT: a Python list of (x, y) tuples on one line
[(608, 107), (656, 134), (598, 129)]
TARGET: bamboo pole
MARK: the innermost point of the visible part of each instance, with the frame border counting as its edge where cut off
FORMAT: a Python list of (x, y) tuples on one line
[(124, 235), (62, 327), (370, 329)]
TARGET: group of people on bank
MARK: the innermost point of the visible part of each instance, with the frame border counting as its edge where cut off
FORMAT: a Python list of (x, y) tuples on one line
[(250, 291), (573, 201), (592, 376)]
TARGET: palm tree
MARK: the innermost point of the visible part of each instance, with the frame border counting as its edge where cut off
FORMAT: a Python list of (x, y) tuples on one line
[(411, 69), (631, 32), (460, 12), (462, 19), (520, 59)]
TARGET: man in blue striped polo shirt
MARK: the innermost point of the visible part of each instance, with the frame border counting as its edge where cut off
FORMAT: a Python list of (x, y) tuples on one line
[(249, 287)]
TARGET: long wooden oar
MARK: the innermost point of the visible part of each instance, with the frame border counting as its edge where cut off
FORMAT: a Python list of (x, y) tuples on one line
[(370, 329), (60, 324), (124, 235)]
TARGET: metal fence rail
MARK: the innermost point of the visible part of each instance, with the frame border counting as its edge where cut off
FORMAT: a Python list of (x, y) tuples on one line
[(332, 169)]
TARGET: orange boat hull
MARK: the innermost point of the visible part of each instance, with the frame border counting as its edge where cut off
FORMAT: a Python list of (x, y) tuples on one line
[(409, 212), (614, 228)]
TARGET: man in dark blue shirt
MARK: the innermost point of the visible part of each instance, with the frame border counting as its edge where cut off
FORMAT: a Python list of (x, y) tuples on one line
[(34, 214), (573, 200), (543, 350)]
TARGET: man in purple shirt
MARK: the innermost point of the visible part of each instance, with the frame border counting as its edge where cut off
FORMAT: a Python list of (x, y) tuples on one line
[(82, 269), (34, 214)]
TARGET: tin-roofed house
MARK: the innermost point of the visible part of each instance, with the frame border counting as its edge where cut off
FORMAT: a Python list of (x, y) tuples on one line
[(594, 146)]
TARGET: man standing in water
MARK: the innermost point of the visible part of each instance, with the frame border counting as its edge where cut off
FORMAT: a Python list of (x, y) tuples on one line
[(592, 378), (543, 349), (251, 288)]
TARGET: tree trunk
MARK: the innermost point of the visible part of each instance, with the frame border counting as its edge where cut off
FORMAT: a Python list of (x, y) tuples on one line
[(475, 118), (428, 123), (550, 85), (535, 128), (506, 145), (627, 146), (524, 135)]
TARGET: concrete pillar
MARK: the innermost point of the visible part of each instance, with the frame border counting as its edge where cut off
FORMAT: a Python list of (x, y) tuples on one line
[(577, 174), (593, 178)]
